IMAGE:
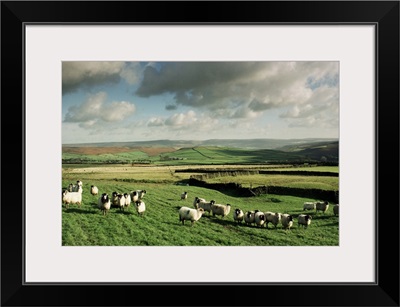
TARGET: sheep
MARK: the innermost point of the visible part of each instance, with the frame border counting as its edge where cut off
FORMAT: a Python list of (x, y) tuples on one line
[(321, 206), (219, 209), (304, 220), (259, 218), (195, 201), (205, 205), (189, 214), (308, 205), (127, 198), (140, 207), (70, 187), (287, 221), (94, 190), (238, 215), (184, 195), (249, 217), (272, 217), (336, 209), (104, 203), (115, 200), (72, 198), (137, 195)]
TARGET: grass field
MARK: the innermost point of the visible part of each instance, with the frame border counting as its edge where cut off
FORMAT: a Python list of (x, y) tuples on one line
[(160, 226)]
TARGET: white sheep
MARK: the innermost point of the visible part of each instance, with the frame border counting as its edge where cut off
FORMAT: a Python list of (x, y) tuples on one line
[(184, 195), (140, 207), (196, 200), (304, 220), (94, 190), (104, 203), (321, 206), (137, 195), (272, 217), (238, 215), (219, 209), (77, 186), (259, 218), (286, 220), (336, 209), (127, 198), (309, 205), (72, 198), (189, 214), (205, 205)]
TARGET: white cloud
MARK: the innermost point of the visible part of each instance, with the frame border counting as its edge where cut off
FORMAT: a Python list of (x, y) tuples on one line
[(95, 111)]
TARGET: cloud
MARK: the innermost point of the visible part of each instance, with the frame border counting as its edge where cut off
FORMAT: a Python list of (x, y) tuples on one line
[(95, 111), (86, 74), (237, 86)]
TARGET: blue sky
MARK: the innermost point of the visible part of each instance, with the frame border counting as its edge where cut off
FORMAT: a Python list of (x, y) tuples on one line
[(138, 101)]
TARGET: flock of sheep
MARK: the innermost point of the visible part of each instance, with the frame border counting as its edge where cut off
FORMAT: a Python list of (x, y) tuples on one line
[(256, 217), (73, 195)]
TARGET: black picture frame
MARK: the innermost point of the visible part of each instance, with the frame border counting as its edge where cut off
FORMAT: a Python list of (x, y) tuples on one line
[(383, 14)]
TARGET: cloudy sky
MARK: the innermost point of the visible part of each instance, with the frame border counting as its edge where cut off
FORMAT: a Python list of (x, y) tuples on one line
[(136, 101)]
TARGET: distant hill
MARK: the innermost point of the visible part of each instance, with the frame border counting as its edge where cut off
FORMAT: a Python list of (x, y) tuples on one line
[(236, 143)]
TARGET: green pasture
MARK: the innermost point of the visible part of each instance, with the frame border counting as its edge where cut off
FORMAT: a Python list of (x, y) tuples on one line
[(160, 226)]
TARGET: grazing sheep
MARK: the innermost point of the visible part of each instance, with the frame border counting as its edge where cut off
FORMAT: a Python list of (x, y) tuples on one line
[(308, 205), (336, 209), (196, 200), (272, 217), (219, 209), (104, 203), (137, 195), (94, 190), (184, 195), (205, 205), (189, 214), (72, 198), (287, 221), (140, 207), (304, 220), (259, 218), (238, 215), (321, 206), (249, 217)]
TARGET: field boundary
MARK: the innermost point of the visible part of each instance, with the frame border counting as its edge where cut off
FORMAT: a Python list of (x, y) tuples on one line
[(236, 188)]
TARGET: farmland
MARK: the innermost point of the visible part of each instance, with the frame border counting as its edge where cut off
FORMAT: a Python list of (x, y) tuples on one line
[(165, 179)]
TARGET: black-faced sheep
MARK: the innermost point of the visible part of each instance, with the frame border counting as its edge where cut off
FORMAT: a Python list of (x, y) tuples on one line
[(308, 205), (184, 195), (189, 214), (321, 206), (259, 218), (207, 206), (72, 198), (249, 217), (336, 209), (219, 209), (272, 217), (94, 190), (115, 199), (197, 200), (104, 203), (137, 195), (286, 221), (304, 220), (238, 215), (140, 207)]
